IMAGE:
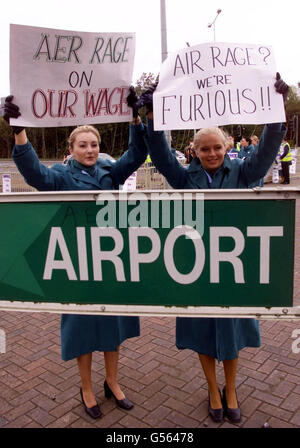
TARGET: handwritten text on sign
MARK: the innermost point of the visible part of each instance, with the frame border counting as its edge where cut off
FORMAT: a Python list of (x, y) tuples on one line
[(62, 78), (217, 84)]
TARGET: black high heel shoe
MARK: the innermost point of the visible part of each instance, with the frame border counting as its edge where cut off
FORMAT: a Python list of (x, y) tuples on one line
[(234, 415), (94, 411), (124, 404), (216, 414)]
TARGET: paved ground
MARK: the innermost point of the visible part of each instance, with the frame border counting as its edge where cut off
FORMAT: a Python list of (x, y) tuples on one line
[(168, 388)]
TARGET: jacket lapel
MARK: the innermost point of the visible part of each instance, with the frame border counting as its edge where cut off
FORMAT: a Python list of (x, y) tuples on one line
[(220, 179), (198, 175), (83, 176), (87, 179)]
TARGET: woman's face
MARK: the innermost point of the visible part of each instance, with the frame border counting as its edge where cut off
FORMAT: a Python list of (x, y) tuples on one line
[(244, 143), (211, 151), (85, 148), (230, 143)]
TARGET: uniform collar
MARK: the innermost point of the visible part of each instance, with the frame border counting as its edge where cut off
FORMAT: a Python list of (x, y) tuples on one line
[(86, 170)]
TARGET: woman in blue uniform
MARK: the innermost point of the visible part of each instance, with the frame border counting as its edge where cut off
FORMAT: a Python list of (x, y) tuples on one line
[(216, 338), (81, 335)]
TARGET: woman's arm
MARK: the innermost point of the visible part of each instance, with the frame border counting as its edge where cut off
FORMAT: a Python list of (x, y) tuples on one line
[(163, 159), (256, 166), (157, 144), (285, 152), (35, 174), (21, 138), (133, 158), (26, 159)]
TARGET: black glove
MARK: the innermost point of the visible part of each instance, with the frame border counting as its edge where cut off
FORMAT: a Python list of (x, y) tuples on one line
[(146, 99), (132, 101), (10, 110), (281, 87)]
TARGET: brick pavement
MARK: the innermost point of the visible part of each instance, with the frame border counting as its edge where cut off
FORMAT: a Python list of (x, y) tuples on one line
[(38, 389)]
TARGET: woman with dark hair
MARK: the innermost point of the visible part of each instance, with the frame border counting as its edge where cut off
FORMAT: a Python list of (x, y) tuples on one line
[(246, 148)]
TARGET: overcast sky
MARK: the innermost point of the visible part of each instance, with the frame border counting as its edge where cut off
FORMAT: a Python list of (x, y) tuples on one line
[(251, 22)]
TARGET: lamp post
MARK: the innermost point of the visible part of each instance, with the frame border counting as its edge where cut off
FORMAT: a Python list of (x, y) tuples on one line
[(213, 23), (164, 47), (163, 26), (195, 131)]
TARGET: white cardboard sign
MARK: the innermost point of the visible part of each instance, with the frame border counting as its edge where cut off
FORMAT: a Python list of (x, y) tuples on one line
[(130, 183), (6, 184), (62, 78), (216, 84)]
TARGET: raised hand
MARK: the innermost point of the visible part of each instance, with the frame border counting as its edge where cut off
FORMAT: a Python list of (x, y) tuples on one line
[(132, 100), (281, 87), (11, 110), (146, 99)]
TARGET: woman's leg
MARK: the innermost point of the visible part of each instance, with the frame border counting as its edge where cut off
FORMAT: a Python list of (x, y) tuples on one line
[(111, 367), (230, 369), (209, 368), (85, 370), (285, 172)]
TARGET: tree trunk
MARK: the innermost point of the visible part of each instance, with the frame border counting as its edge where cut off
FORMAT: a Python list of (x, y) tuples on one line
[(44, 150), (113, 138)]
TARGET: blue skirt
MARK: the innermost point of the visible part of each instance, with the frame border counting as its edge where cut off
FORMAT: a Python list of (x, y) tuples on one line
[(220, 338), (82, 334)]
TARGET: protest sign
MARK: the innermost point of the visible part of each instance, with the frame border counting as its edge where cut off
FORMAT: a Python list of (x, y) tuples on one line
[(6, 183), (130, 182), (217, 84), (294, 161), (67, 78)]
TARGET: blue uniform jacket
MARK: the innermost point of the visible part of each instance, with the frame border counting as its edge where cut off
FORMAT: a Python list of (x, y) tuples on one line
[(234, 173), (73, 176), (82, 334), (220, 338), (246, 152)]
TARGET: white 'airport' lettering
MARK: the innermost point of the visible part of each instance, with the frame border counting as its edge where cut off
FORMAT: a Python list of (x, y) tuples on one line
[(137, 258)]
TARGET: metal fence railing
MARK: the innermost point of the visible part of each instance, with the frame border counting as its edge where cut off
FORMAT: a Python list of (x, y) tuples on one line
[(147, 178), (18, 183)]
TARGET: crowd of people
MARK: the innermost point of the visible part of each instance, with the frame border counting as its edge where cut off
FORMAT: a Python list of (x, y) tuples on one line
[(209, 166), (245, 146)]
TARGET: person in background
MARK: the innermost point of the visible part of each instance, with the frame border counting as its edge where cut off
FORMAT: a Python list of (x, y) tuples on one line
[(81, 335), (286, 161), (230, 143), (217, 338), (230, 147), (254, 140), (189, 152), (246, 148)]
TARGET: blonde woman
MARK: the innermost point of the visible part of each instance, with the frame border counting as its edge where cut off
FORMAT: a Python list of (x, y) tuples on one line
[(81, 335), (217, 338)]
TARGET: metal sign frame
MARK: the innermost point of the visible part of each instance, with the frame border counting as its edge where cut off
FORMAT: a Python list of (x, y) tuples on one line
[(278, 193)]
